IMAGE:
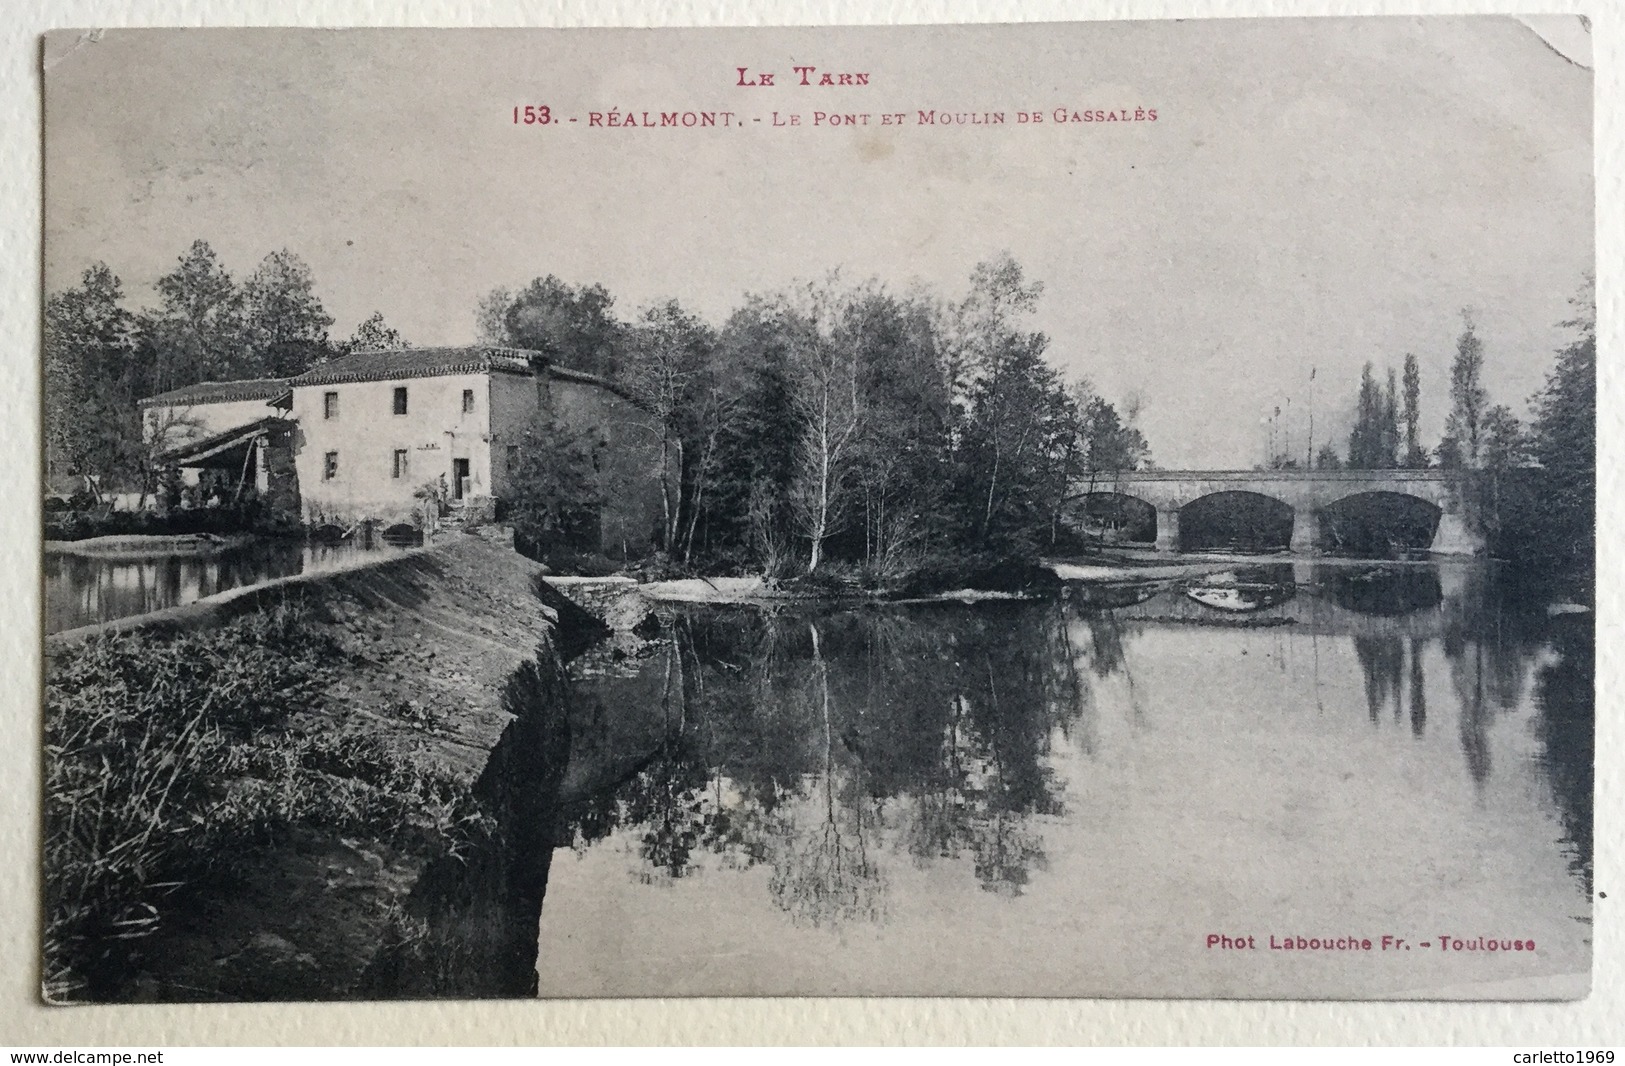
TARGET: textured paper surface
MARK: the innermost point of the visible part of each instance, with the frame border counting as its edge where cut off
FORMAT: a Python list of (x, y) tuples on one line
[(1590, 1022)]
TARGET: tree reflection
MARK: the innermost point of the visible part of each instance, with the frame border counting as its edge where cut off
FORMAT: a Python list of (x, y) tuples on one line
[(1490, 639), (815, 747), (1419, 699), (1381, 591), (824, 875), (1382, 661), (1488, 632), (1567, 730)]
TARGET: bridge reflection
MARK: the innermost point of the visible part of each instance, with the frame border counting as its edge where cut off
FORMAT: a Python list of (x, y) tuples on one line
[(1405, 600)]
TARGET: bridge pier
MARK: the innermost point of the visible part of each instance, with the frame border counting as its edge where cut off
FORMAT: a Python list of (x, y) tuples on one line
[(1167, 529), (1305, 531), (1455, 537)]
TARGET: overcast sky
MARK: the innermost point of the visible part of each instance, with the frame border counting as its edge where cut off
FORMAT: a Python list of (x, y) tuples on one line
[(1313, 193)]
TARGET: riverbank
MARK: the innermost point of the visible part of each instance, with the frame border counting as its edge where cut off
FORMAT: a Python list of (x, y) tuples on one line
[(361, 708), (623, 601)]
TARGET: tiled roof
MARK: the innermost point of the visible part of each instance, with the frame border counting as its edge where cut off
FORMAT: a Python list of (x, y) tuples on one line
[(418, 363), (219, 392)]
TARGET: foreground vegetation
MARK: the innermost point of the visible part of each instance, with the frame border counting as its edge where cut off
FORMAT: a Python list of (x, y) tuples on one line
[(174, 760)]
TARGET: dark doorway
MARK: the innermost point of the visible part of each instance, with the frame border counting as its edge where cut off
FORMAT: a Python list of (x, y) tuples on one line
[(459, 473)]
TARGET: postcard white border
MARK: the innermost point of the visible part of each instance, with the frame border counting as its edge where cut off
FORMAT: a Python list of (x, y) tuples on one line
[(23, 1021)]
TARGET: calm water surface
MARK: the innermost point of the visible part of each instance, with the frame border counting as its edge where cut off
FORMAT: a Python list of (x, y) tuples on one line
[(82, 590), (1068, 797)]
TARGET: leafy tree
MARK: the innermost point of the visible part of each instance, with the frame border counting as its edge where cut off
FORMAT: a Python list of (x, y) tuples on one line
[(284, 324), (375, 335), (1500, 499), (91, 379), (1564, 441), (830, 412), (666, 355), (1448, 455), (491, 318), (1505, 444), (1468, 397), (1374, 439), (573, 325), (1416, 456), (745, 509), (1106, 446), (556, 503), (1327, 458), (1389, 423), (1365, 438), (900, 474), (196, 333), (1017, 427)]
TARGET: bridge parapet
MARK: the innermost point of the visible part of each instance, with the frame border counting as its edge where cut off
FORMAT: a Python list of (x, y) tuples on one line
[(1296, 488)]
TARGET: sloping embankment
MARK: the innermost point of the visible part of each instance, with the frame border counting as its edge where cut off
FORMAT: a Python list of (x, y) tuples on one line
[(423, 650)]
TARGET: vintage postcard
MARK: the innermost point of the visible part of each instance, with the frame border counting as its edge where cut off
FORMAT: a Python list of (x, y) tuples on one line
[(1069, 510)]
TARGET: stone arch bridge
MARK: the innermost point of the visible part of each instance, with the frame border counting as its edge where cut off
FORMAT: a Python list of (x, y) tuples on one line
[(1306, 492)]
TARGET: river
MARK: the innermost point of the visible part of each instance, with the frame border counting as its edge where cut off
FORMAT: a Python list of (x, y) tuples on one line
[(1078, 795), (83, 589)]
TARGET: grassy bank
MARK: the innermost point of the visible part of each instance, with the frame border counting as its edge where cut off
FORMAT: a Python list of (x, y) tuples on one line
[(238, 801), (173, 762)]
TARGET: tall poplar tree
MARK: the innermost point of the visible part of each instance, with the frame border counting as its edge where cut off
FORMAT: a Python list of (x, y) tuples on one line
[(1416, 456), (1468, 397)]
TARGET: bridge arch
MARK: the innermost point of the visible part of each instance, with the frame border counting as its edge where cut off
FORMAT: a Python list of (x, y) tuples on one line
[(1378, 522), (1107, 515), (1234, 518)]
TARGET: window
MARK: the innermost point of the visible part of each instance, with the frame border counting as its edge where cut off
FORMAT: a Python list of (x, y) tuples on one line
[(400, 399), (330, 405), (330, 466), (401, 463), (468, 400)]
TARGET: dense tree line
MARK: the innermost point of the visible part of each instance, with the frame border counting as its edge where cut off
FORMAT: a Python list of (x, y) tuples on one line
[(835, 422), (828, 421)]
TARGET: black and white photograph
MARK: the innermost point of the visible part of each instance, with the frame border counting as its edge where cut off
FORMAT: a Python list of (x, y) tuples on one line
[(1100, 509)]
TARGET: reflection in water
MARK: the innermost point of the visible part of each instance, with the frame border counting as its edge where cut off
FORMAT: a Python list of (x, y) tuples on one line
[(1419, 699), (807, 739), (82, 590), (837, 771), (1246, 588), (823, 872), (1567, 729), (1381, 660), (1377, 590)]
